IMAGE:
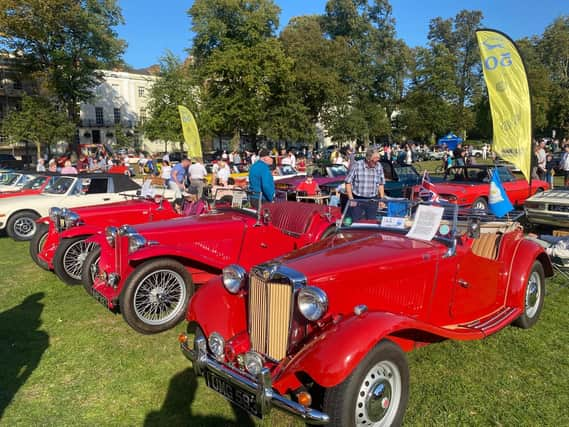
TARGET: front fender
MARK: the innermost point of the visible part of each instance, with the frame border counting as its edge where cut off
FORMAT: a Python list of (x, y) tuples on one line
[(330, 357), (156, 251), (229, 322), (81, 230), (526, 253)]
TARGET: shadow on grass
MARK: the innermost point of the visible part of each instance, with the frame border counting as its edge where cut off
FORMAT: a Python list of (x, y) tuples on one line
[(22, 345), (176, 408)]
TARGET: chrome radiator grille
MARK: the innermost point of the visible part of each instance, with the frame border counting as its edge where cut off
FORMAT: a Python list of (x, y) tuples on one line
[(270, 310)]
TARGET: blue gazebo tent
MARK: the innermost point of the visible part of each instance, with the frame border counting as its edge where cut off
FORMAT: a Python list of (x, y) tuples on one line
[(450, 140)]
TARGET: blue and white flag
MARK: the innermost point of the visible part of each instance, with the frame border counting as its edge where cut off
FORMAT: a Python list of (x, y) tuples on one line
[(498, 201)]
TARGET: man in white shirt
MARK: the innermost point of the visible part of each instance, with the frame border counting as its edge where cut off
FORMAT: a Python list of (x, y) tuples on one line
[(197, 174), (541, 160)]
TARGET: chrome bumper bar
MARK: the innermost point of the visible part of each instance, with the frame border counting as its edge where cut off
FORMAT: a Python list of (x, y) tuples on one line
[(266, 396)]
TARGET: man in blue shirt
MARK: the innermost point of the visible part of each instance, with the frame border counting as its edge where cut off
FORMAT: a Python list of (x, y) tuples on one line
[(178, 177), (261, 182)]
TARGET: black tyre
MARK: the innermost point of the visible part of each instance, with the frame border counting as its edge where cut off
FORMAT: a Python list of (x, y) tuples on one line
[(533, 299), (375, 394), (90, 269), (480, 204), (155, 296), (22, 225), (36, 245), (69, 258)]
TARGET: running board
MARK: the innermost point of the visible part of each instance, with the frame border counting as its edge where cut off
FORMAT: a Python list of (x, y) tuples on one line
[(495, 322)]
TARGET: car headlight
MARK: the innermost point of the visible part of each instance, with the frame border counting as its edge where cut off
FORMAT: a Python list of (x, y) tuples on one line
[(312, 302), (234, 278), (71, 219), (54, 214), (216, 345), (135, 242), (111, 235), (253, 363)]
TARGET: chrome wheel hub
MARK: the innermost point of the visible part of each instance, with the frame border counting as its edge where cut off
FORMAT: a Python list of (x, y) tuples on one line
[(159, 297), (533, 294), (379, 396), (74, 258), (24, 227)]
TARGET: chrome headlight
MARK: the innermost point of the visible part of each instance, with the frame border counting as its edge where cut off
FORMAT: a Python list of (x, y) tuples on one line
[(312, 302), (216, 345), (71, 219), (253, 363), (111, 234), (234, 278), (135, 242), (54, 214)]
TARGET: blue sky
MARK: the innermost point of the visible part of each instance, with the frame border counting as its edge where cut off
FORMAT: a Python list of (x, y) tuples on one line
[(152, 27)]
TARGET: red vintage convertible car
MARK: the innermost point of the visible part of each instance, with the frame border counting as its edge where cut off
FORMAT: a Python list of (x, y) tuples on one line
[(148, 271), (322, 332), (60, 242), (469, 186)]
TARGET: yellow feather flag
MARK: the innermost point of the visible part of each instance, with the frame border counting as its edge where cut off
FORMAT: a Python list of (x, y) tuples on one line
[(191, 134), (510, 103)]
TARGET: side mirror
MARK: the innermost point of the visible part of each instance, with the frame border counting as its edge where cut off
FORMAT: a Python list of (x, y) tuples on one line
[(474, 228), (266, 216)]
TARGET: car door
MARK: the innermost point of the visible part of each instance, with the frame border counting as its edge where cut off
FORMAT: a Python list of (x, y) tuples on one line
[(263, 242)]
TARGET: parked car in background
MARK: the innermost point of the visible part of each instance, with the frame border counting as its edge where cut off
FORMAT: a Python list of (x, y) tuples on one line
[(323, 175), (8, 161), (149, 271), (14, 181), (469, 186), (550, 208), (18, 215), (34, 186), (322, 332), (60, 242)]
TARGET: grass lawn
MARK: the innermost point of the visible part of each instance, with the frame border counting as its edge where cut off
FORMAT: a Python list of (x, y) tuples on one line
[(67, 361)]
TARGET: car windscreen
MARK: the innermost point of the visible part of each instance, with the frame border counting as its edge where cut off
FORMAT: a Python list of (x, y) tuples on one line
[(60, 185), (35, 183), (9, 178), (337, 170)]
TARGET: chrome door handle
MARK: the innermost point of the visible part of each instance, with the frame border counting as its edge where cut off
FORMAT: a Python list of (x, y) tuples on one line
[(463, 283)]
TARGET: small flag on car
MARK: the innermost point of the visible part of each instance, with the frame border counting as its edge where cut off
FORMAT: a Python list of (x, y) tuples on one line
[(427, 191), (498, 201)]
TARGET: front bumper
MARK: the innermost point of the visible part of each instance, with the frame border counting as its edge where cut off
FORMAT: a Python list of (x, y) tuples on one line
[(559, 219), (266, 396)]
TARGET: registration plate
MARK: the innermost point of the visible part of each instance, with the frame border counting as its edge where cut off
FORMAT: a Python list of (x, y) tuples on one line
[(99, 297), (233, 393)]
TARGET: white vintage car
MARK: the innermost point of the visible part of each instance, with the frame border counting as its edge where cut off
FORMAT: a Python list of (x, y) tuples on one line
[(13, 181), (549, 207), (18, 215)]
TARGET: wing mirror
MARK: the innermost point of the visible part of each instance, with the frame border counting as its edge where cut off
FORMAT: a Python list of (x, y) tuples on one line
[(474, 228)]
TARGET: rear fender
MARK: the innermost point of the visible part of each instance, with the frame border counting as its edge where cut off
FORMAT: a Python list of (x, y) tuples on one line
[(330, 357), (524, 256), (227, 322)]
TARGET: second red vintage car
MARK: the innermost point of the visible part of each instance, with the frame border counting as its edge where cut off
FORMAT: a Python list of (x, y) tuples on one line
[(60, 242), (469, 186), (148, 271), (322, 332)]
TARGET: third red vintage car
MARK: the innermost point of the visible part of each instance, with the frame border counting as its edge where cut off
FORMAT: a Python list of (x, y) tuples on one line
[(470, 186), (60, 242), (148, 271), (322, 332)]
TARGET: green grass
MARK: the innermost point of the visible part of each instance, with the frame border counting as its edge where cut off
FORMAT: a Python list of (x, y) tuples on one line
[(67, 361)]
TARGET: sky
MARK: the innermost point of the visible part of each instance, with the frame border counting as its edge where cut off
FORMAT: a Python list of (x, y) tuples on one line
[(153, 27)]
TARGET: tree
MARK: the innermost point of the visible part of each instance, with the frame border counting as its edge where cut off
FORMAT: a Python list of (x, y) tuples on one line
[(63, 43), (173, 88), (37, 121)]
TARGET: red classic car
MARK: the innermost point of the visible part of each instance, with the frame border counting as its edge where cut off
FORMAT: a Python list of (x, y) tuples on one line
[(60, 244), (469, 186), (148, 271), (34, 186), (322, 332)]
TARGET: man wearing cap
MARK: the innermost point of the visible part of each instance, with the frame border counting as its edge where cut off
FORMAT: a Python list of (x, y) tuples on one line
[(365, 181), (261, 182)]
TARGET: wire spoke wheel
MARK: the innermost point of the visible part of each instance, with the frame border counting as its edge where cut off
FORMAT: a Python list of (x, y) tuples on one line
[(159, 297), (379, 395), (74, 257)]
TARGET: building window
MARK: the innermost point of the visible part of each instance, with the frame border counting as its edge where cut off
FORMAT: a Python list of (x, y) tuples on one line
[(141, 91), (142, 115), (99, 115), (17, 84), (117, 115)]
